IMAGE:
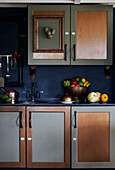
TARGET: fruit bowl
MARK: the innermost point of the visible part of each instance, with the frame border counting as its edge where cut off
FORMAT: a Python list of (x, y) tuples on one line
[(77, 88), (76, 92)]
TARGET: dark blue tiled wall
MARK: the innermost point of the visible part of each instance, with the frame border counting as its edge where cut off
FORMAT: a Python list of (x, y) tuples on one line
[(50, 78)]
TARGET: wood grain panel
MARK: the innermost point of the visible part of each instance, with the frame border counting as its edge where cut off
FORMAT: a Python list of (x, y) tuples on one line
[(48, 56), (93, 137), (49, 13), (66, 163), (91, 35)]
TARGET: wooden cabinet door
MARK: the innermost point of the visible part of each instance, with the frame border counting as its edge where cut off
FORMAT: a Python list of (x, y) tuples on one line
[(91, 35), (92, 137), (48, 137), (44, 46), (12, 137)]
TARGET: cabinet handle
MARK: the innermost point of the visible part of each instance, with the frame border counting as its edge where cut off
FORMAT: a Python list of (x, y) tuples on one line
[(65, 52), (74, 52), (30, 126), (21, 120), (75, 119)]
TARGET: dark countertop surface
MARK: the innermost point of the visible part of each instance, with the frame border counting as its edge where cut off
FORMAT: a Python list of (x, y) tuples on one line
[(56, 103)]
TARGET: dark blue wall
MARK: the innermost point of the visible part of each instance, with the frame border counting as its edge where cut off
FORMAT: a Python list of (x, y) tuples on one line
[(50, 78)]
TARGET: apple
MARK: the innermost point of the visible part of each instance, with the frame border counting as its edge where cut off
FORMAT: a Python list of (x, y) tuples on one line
[(74, 82), (78, 85)]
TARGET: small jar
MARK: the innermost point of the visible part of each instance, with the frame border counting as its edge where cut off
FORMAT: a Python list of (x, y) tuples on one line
[(13, 96)]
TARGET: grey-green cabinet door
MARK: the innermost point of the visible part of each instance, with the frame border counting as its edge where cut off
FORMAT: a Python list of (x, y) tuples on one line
[(91, 35), (93, 137), (12, 137), (48, 34), (48, 137)]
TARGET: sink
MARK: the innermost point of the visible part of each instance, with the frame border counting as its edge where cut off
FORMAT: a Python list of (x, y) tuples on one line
[(30, 102), (38, 102)]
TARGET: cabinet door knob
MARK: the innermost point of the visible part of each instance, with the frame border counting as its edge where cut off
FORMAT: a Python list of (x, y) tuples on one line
[(65, 52), (74, 139), (22, 138), (29, 138), (73, 33), (66, 33), (74, 52)]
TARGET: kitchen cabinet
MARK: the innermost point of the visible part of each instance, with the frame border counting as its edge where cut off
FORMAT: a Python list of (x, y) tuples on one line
[(12, 137), (93, 137), (42, 49), (89, 28), (91, 35), (48, 137)]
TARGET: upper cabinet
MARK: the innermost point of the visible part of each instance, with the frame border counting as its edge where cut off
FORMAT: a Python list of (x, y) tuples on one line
[(91, 35), (64, 35), (48, 35)]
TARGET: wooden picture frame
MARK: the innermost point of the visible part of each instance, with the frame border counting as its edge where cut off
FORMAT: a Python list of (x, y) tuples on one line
[(52, 15)]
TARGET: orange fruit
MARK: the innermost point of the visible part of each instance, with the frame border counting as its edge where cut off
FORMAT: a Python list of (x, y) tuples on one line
[(104, 98)]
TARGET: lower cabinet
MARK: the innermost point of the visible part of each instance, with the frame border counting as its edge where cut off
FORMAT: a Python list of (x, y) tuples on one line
[(47, 137), (93, 137), (39, 137), (12, 137)]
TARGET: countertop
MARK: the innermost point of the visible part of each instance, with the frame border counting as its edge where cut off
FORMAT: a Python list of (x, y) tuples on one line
[(57, 103)]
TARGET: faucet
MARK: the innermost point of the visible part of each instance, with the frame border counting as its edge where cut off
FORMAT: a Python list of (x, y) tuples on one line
[(33, 94)]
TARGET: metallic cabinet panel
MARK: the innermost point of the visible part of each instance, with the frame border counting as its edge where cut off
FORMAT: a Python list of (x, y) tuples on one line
[(48, 137), (9, 137)]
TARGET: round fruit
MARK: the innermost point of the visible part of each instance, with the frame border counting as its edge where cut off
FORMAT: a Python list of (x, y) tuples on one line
[(83, 80), (77, 78), (74, 82), (104, 98), (78, 85), (72, 85), (81, 83)]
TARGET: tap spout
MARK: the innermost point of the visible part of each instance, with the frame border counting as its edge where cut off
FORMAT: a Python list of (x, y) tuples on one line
[(33, 92)]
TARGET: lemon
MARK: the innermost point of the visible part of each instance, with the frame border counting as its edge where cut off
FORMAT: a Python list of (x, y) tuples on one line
[(83, 80)]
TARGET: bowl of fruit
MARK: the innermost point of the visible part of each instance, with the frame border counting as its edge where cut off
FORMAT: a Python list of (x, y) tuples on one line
[(77, 88)]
